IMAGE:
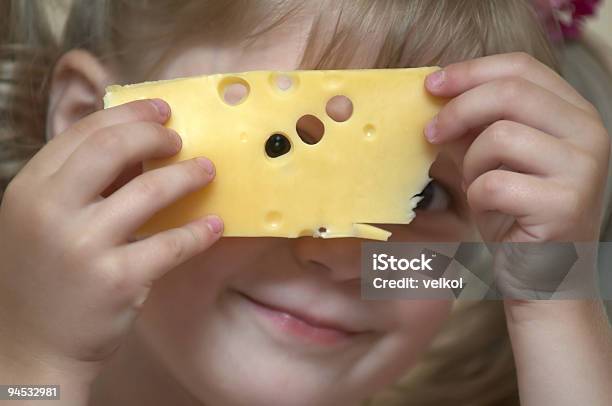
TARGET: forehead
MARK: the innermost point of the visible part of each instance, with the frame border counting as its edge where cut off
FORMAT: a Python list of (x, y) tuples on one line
[(279, 48), (281, 54), (280, 43)]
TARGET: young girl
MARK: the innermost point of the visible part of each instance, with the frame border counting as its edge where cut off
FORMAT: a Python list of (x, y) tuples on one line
[(188, 318)]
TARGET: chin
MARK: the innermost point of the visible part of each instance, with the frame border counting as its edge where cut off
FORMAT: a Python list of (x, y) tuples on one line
[(282, 390), (234, 372)]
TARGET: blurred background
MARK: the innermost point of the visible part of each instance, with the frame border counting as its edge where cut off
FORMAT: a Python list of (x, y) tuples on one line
[(602, 25)]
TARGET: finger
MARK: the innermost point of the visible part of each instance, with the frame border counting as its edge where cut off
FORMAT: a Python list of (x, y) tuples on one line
[(515, 194), (534, 205), (512, 99), (517, 147), (60, 147), (132, 205), (462, 76), (153, 256), (98, 160)]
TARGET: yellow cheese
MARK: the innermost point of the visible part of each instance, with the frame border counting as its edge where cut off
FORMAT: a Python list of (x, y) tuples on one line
[(363, 171)]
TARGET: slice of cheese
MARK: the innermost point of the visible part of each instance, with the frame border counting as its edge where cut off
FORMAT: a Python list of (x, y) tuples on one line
[(365, 170)]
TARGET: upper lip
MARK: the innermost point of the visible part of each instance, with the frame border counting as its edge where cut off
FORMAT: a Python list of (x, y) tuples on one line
[(313, 320)]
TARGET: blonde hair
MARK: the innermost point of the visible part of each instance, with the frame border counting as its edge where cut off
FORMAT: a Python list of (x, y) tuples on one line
[(461, 367)]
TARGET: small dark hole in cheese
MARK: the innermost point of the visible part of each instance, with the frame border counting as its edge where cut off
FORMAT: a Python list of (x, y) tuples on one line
[(277, 145)]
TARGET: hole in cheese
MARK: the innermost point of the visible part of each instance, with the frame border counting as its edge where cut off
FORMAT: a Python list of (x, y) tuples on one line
[(370, 131), (310, 129), (234, 91), (307, 232), (322, 230), (277, 145), (339, 108), (284, 82), (274, 219)]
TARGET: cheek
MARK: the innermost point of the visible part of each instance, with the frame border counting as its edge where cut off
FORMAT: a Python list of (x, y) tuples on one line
[(419, 320), (411, 326), (179, 318), (186, 296)]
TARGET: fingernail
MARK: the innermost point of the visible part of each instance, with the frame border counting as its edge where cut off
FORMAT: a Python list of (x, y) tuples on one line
[(435, 80), (431, 131), (177, 138), (162, 107), (207, 165), (214, 223)]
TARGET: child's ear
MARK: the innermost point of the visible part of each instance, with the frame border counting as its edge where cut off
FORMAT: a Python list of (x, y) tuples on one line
[(76, 90)]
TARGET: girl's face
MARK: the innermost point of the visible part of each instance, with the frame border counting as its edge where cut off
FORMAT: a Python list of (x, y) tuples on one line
[(281, 321)]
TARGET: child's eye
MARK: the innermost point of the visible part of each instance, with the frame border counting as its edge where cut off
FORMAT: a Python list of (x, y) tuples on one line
[(435, 198)]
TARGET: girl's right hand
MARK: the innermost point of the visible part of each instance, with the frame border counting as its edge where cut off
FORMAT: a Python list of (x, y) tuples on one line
[(71, 282)]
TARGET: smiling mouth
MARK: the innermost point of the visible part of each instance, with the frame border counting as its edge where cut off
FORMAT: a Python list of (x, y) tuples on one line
[(299, 326)]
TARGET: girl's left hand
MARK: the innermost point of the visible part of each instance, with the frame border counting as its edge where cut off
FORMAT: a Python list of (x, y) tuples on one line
[(535, 172), (551, 138)]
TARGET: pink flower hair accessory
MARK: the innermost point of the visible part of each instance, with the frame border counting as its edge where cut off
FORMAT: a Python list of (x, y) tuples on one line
[(564, 19)]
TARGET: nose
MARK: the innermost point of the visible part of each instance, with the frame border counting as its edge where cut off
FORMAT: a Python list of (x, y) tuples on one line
[(340, 258)]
